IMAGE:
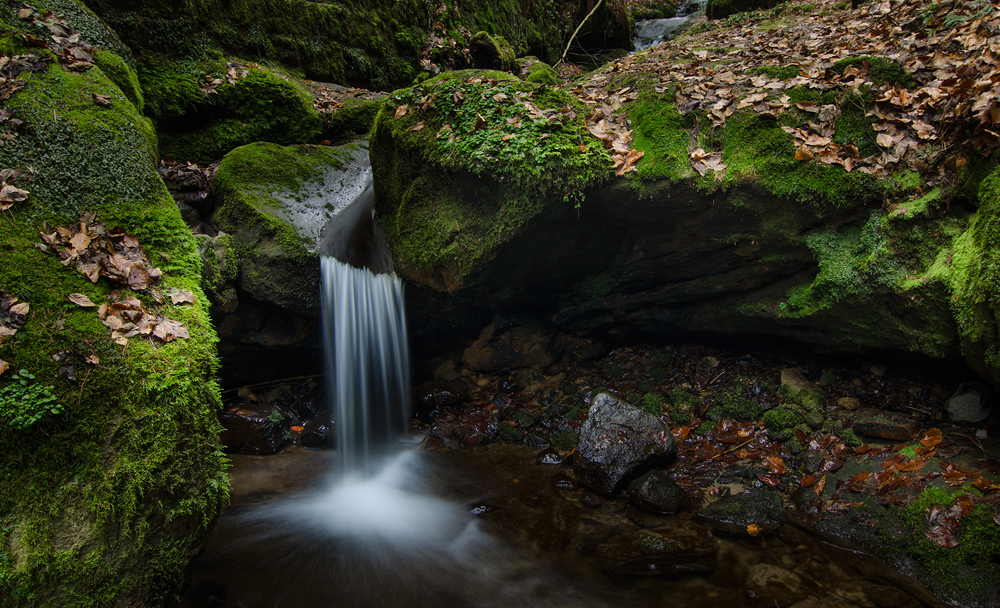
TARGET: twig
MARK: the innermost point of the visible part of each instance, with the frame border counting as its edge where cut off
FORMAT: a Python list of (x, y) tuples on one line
[(577, 31), (270, 382), (732, 449)]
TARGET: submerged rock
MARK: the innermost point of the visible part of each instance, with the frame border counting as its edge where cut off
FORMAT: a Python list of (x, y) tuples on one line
[(885, 425), (618, 442), (735, 513), (680, 548), (769, 586), (656, 492)]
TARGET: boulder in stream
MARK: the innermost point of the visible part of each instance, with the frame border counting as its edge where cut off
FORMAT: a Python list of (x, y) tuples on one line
[(618, 442)]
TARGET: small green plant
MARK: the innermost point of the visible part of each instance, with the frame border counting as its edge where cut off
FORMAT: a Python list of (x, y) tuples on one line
[(652, 403), (24, 401)]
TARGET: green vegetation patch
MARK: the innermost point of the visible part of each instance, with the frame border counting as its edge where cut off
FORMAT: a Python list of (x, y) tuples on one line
[(106, 502), (261, 106), (660, 131), (881, 71), (468, 158)]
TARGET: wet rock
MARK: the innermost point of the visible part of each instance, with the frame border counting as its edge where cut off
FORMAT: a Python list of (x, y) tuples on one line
[(590, 500), (619, 442), (807, 394), (260, 430), (587, 349), (548, 456), (885, 425), (848, 403), (811, 461), (656, 492), (682, 547), (969, 403), (828, 378), (732, 514), (591, 534), (318, 432), (499, 347), (768, 585), (562, 481), (440, 393), (477, 428), (878, 370)]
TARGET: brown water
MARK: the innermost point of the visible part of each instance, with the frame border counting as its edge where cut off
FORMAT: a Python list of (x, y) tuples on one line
[(516, 538)]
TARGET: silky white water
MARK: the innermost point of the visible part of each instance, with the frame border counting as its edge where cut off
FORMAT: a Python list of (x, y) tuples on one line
[(367, 363)]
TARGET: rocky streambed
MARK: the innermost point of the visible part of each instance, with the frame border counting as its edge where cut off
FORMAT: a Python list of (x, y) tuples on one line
[(713, 474)]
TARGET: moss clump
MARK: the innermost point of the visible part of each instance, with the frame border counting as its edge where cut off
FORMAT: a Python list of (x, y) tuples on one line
[(542, 73), (106, 503), (459, 168), (354, 120), (854, 125), (976, 282), (262, 106), (277, 262), (122, 74), (881, 71), (742, 409), (964, 573), (491, 52), (781, 422), (660, 131), (170, 94)]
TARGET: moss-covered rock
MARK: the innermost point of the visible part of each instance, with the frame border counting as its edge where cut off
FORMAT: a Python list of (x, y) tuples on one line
[(106, 502), (465, 161), (274, 202), (720, 9), (262, 105), (975, 266)]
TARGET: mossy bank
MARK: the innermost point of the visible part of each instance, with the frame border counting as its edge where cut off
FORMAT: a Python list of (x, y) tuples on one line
[(104, 503)]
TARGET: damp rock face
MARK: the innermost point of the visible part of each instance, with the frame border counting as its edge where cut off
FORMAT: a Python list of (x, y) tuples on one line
[(618, 442), (253, 431), (435, 394), (318, 432), (969, 403), (734, 514)]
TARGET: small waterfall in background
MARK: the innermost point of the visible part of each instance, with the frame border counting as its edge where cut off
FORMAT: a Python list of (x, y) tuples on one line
[(650, 32), (366, 357)]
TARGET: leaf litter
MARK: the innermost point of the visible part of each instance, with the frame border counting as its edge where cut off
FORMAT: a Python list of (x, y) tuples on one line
[(951, 50), (95, 251)]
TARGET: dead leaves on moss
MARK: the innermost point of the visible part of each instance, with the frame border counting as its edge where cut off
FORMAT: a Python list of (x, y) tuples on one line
[(607, 123), (97, 252), (117, 256), (234, 72), (13, 315), (950, 49), (73, 52)]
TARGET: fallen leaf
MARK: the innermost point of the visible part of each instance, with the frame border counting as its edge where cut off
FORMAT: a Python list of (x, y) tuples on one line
[(10, 195), (885, 140), (931, 438), (753, 530), (803, 153), (93, 359), (400, 111), (418, 126), (102, 100), (180, 296), (4, 366), (81, 300), (820, 486)]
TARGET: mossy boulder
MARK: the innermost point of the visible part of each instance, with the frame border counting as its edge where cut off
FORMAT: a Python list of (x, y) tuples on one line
[(274, 202), (104, 503), (256, 105)]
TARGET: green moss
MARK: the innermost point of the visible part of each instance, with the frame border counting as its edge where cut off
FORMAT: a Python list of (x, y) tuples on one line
[(564, 440), (781, 422), (122, 74), (976, 282), (780, 72), (854, 125), (455, 178), (881, 71), (542, 73), (660, 131), (756, 148), (354, 120), (170, 94), (850, 438), (106, 503), (652, 403), (262, 106), (740, 408)]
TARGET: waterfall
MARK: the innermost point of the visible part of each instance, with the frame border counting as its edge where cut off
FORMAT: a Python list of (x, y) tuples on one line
[(650, 32), (366, 356)]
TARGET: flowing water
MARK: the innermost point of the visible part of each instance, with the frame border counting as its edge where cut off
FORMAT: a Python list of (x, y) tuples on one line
[(650, 32)]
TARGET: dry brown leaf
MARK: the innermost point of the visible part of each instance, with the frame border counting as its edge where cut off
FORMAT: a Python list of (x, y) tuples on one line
[(803, 153), (418, 126), (81, 300), (93, 359), (4, 366), (401, 111)]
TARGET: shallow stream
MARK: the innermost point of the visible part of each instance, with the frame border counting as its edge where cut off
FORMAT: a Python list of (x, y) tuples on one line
[(487, 527)]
